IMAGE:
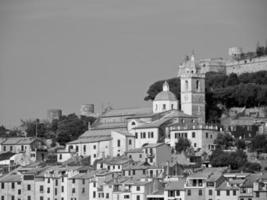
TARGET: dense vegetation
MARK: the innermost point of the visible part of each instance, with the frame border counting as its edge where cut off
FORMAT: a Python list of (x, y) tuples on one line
[(247, 89), (66, 129), (225, 155)]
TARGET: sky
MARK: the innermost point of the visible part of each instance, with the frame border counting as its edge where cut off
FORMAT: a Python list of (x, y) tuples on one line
[(64, 53)]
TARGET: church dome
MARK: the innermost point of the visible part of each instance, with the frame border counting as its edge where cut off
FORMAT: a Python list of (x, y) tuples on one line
[(166, 94)]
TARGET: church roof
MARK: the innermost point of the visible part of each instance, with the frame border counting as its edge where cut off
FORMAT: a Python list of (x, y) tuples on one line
[(165, 96), (126, 112)]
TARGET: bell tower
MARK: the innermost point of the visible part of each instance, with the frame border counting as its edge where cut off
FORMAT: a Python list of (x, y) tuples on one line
[(193, 90)]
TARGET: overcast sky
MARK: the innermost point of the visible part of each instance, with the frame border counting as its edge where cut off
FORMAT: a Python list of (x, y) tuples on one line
[(64, 53)]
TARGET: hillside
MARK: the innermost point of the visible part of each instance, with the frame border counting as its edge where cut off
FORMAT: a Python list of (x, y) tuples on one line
[(245, 90)]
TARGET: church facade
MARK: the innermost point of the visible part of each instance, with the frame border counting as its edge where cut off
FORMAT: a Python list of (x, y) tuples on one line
[(120, 130)]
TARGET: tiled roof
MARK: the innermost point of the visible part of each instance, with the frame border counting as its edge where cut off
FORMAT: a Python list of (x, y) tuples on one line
[(12, 140), (26, 141), (125, 133), (226, 186), (127, 112), (84, 176), (154, 145), (208, 173), (136, 150), (11, 178), (93, 133), (175, 185), (90, 140), (137, 166), (114, 125), (116, 160)]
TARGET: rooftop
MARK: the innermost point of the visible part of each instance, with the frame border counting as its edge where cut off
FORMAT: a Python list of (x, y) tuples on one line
[(175, 185), (91, 139)]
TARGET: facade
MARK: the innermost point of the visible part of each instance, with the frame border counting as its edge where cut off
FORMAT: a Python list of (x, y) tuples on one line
[(193, 90), (165, 100), (202, 137)]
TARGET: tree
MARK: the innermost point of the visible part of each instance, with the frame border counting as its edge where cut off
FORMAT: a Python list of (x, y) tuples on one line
[(259, 143), (235, 160), (240, 144), (182, 145), (70, 128), (33, 127), (224, 141)]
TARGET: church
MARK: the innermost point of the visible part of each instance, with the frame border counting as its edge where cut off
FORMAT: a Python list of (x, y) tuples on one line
[(118, 131)]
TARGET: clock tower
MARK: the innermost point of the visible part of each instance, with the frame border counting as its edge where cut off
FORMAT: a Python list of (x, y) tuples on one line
[(192, 90)]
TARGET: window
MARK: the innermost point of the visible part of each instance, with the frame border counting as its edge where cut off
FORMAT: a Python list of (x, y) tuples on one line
[(28, 187), (188, 192), (186, 85), (197, 85), (207, 135), (171, 193), (133, 123), (137, 188), (234, 193), (218, 193), (144, 136), (55, 191), (195, 144), (164, 106), (48, 180), (4, 148), (137, 197), (56, 182), (2, 197), (84, 148), (41, 198), (83, 181), (172, 106), (126, 196), (140, 155), (2, 185), (19, 192), (227, 192), (12, 185), (200, 192), (94, 155), (193, 134), (62, 188), (48, 190), (133, 172), (118, 143), (136, 135), (29, 198), (210, 192), (177, 192), (94, 194), (60, 156), (152, 134), (41, 188), (94, 147), (73, 180), (73, 190), (130, 142), (83, 190), (12, 197)]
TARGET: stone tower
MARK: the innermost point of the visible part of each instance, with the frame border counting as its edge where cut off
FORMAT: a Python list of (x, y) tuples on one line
[(193, 90)]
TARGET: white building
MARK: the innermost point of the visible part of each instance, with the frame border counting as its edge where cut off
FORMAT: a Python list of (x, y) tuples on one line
[(165, 100)]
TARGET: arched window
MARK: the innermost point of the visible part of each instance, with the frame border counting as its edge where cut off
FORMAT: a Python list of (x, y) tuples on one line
[(133, 123), (197, 85), (186, 85)]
